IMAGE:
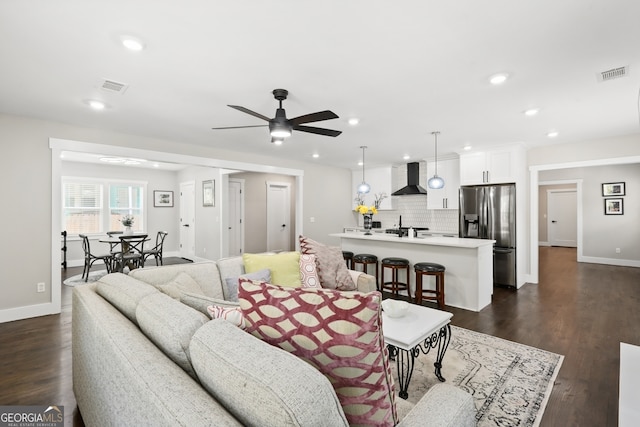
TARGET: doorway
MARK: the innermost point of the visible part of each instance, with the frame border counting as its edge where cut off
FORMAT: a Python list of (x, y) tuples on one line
[(236, 217), (278, 216), (187, 220), (562, 227)]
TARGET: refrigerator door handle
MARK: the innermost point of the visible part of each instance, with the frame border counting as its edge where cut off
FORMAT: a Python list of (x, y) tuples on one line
[(502, 250)]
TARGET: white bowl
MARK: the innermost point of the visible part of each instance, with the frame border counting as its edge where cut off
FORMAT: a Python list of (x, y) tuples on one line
[(395, 308)]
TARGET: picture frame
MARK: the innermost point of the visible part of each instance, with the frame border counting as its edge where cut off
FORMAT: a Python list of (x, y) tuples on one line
[(614, 206), (613, 189), (162, 199), (209, 193)]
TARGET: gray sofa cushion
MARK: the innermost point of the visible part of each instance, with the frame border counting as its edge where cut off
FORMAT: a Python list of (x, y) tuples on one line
[(201, 302), (443, 405), (124, 293), (206, 274), (170, 325), (260, 384)]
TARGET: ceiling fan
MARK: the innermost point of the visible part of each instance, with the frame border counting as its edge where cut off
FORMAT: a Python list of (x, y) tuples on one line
[(280, 127)]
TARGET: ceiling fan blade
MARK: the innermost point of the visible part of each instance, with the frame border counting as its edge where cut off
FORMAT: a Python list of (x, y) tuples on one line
[(241, 127), (253, 113), (314, 117), (319, 131)]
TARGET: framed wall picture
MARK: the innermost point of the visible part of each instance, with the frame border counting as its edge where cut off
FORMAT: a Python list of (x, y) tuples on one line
[(613, 207), (209, 193), (613, 189), (162, 199)]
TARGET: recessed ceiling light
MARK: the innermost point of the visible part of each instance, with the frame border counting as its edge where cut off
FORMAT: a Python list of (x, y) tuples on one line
[(132, 43), (531, 112), (96, 105), (498, 79), (316, 155), (406, 157), (553, 134), (467, 147), (354, 121), (155, 165), (360, 163)]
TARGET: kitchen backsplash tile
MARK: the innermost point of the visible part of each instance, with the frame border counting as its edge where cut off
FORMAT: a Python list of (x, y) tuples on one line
[(415, 214)]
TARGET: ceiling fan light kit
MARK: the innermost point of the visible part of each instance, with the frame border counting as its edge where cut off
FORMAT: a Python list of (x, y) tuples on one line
[(280, 127), (435, 182)]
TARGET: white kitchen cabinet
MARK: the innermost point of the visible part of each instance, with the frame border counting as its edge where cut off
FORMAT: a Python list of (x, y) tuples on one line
[(380, 180), (492, 166), (446, 197)]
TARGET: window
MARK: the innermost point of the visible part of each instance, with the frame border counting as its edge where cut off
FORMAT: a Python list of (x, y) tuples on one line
[(82, 207), (92, 206), (126, 199)]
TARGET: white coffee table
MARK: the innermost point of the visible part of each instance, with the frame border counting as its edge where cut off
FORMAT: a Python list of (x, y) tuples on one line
[(419, 330)]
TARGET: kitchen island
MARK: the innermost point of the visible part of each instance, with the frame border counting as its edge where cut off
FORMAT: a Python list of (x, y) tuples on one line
[(468, 262)]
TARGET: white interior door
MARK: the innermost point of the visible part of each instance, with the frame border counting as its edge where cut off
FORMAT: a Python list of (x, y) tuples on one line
[(278, 216), (562, 225), (187, 220), (236, 217)]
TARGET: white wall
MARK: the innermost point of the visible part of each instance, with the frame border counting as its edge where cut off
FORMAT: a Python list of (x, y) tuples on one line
[(32, 256)]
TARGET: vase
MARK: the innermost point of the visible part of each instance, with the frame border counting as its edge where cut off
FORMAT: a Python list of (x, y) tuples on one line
[(128, 230), (368, 220)]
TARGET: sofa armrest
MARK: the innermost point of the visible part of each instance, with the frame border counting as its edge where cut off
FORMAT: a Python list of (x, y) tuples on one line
[(443, 405), (364, 282)]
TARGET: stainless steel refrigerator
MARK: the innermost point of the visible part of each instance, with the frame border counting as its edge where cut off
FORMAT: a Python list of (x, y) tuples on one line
[(489, 212)]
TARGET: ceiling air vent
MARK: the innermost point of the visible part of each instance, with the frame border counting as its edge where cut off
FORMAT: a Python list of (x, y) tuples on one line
[(112, 86), (614, 73)]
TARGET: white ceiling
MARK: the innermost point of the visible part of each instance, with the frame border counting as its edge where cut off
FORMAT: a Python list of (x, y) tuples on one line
[(404, 69)]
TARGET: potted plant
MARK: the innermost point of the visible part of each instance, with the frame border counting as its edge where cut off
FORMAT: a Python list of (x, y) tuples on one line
[(127, 221)]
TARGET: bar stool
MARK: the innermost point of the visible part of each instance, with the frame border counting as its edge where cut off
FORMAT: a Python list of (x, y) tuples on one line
[(365, 260), (396, 264), (430, 269), (348, 258)]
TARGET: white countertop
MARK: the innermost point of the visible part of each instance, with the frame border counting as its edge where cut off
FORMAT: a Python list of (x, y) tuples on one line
[(456, 242)]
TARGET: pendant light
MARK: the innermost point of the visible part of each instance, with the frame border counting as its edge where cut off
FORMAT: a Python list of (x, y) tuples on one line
[(435, 181), (363, 188)]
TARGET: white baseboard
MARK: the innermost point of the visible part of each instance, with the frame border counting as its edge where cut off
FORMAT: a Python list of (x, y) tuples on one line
[(27, 312), (544, 244), (609, 261)]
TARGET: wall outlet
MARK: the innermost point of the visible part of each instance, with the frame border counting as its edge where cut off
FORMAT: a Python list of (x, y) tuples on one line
[(617, 250), (312, 219), (40, 287)]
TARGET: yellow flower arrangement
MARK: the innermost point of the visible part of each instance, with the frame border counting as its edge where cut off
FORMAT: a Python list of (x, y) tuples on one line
[(364, 210)]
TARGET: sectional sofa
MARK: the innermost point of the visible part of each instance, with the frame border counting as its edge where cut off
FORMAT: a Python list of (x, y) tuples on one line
[(143, 357)]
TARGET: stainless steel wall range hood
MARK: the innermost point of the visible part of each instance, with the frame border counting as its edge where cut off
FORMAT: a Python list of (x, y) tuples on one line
[(413, 182)]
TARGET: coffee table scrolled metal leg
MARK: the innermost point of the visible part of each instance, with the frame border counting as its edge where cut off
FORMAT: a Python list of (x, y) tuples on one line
[(404, 363), (443, 343)]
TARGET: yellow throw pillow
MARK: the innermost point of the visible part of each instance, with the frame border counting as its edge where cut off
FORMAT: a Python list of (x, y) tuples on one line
[(284, 266)]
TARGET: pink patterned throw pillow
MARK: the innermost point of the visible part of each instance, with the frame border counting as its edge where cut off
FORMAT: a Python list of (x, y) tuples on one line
[(309, 272), (340, 333), (332, 269), (232, 315)]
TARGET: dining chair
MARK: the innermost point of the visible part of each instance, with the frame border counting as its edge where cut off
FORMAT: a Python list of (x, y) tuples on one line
[(114, 245), (90, 258), (131, 254), (156, 251)]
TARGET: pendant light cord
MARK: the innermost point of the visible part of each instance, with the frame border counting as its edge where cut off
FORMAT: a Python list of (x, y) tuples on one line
[(435, 134), (363, 148)]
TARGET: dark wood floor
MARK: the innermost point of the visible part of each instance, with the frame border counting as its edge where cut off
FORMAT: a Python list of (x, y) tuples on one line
[(582, 311)]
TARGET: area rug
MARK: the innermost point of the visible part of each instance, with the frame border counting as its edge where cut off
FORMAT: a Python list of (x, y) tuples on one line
[(94, 276), (509, 382)]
